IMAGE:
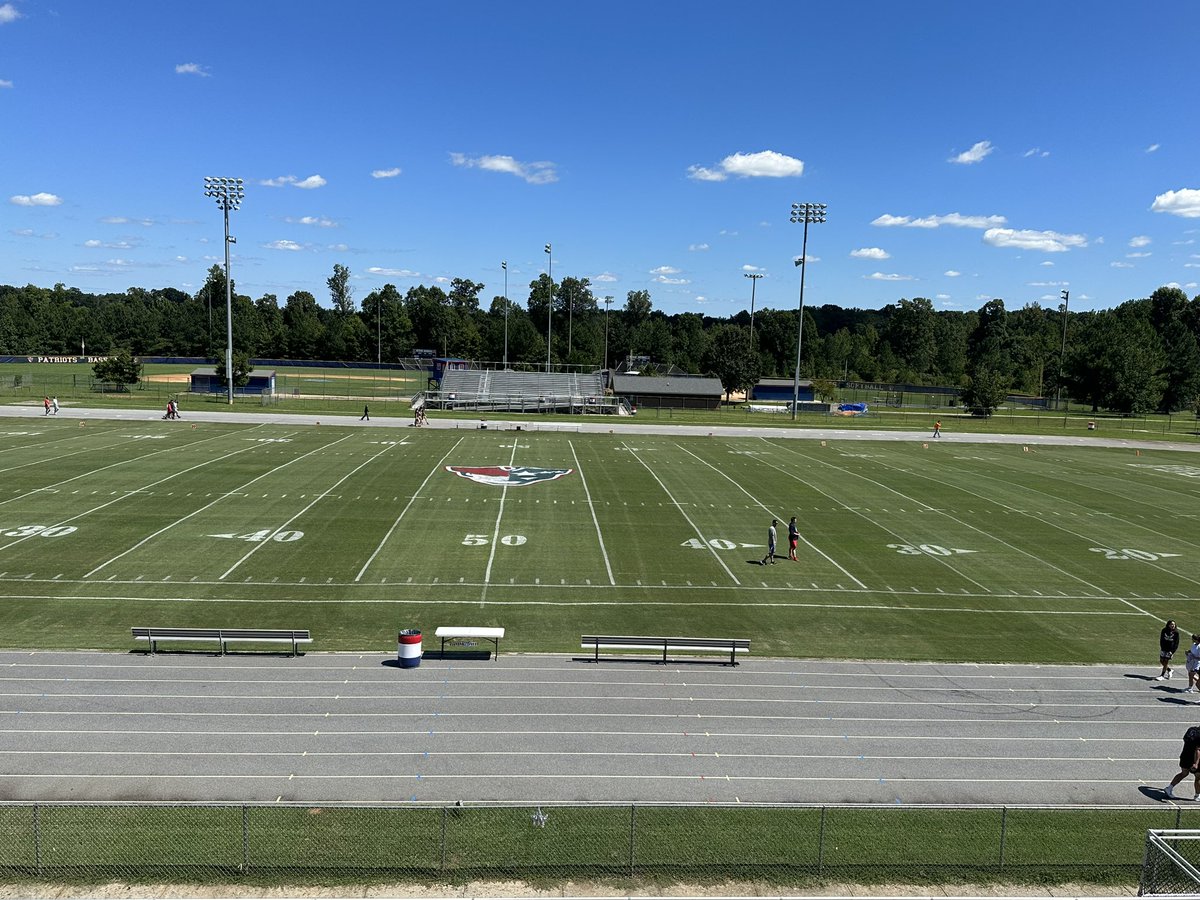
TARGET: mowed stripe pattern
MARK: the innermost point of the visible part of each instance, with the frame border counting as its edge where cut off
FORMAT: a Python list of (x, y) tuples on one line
[(646, 533)]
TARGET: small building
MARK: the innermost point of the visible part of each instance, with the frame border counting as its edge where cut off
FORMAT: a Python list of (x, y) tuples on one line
[(207, 381), (781, 389), (669, 393)]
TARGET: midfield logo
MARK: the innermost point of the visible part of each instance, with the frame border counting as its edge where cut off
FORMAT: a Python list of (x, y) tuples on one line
[(508, 476)]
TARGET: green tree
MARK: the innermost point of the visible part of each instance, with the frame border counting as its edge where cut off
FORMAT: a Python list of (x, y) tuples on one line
[(729, 358), (241, 370), (984, 392), (341, 292), (121, 367)]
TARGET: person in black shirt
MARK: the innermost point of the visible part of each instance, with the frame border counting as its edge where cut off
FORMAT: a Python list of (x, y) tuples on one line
[(1168, 643), (1189, 762)]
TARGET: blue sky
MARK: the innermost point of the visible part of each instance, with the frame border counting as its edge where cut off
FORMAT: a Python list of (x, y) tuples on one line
[(965, 150)]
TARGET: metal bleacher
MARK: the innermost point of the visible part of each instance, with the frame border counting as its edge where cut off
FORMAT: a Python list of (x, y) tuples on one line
[(490, 389)]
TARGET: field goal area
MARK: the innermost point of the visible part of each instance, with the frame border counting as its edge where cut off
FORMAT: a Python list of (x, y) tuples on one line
[(1171, 867)]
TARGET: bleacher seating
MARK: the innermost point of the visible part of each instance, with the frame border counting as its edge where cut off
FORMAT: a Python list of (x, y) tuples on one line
[(490, 389)]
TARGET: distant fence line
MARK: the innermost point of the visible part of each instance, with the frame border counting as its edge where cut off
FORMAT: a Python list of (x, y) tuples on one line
[(776, 844)]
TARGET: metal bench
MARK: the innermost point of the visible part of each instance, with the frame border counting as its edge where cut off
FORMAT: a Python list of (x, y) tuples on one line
[(732, 646), (454, 632), (223, 636)]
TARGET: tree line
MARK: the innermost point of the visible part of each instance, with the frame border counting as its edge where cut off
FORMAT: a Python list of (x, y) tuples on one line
[(1142, 356)]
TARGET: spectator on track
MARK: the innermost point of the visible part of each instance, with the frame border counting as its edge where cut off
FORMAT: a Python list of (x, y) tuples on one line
[(54, 406), (793, 539), (1168, 643), (366, 414), (937, 429), (1189, 762), (46, 405), (1192, 665)]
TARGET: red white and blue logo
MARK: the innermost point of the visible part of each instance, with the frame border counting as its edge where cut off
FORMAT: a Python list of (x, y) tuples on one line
[(508, 476)]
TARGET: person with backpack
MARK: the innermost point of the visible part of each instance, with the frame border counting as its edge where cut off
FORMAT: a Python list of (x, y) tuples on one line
[(1168, 643), (1189, 762)]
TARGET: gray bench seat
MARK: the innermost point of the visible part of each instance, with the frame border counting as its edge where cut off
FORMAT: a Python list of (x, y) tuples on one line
[(223, 636), (732, 646)]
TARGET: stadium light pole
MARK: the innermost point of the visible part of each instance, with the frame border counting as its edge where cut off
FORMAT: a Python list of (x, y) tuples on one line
[(607, 306), (1062, 357), (228, 192), (753, 276), (549, 306), (504, 266), (805, 213)]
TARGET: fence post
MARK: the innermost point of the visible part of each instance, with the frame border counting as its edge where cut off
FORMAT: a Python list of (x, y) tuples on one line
[(821, 844), (632, 833), (37, 839), (442, 864), (245, 838), (1003, 833), (1178, 815)]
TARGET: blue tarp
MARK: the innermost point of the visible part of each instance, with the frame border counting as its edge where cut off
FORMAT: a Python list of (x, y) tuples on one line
[(852, 407)]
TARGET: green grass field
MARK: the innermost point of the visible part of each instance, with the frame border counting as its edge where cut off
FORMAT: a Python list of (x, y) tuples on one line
[(910, 550)]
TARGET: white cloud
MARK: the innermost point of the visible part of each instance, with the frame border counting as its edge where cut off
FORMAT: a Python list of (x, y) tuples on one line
[(192, 69), (8, 13), (386, 173), (764, 164), (870, 253), (665, 270), (880, 276), (1025, 239), (1140, 241), (110, 245), (974, 155), (698, 248), (311, 220), (750, 268), (1047, 263), (1037, 152), (125, 220), (1140, 255), (40, 199), (1191, 265), (958, 220), (279, 182), (311, 182), (4, 83), (951, 273), (941, 297), (1049, 284), (531, 172), (283, 245), (340, 248), (1121, 265), (1153, 148), (393, 273), (663, 279), (605, 278), (1184, 202)]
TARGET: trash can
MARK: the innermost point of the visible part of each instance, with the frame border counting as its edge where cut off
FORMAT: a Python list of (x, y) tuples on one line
[(408, 649)]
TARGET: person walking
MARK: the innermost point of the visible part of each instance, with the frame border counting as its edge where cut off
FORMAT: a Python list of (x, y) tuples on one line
[(770, 544), (46, 405), (937, 429), (1189, 762), (1192, 664), (366, 414), (54, 406), (793, 539), (1168, 643)]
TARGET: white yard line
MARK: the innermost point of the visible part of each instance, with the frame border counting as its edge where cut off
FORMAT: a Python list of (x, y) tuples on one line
[(833, 562), (967, 525), (679, 506), (223, 496), (437, 468), (487, 573), (321, 496), (134, 492), (592, 507)]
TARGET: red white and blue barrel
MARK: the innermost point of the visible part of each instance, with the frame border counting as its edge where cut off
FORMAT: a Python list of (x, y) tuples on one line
[(409, 648)]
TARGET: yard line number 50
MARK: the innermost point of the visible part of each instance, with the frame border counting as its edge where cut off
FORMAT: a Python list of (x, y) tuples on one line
[(480, 540)]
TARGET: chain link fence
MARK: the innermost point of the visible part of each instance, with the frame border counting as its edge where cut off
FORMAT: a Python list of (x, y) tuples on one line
[(638, 844), (1172, 864)]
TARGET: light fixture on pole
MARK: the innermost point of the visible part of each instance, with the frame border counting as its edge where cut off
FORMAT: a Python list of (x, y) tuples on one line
[(1062, 358), (229, 193), (504, 266), (753, 276), (803, 213), (607, 305), (549, 307)]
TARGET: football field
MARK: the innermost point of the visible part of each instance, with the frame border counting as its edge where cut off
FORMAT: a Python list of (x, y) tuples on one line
[(920, 549)]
